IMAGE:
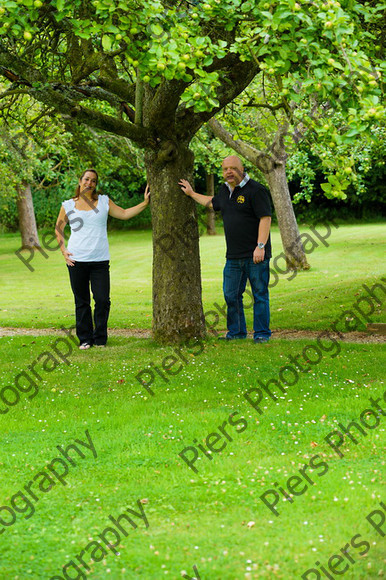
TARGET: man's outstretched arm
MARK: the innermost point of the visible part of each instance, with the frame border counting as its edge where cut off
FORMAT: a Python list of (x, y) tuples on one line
[(205, 200)]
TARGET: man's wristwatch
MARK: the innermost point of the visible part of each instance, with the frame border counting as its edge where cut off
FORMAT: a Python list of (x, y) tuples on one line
[(261, 245)]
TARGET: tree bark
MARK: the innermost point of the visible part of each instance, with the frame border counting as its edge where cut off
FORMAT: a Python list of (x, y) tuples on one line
[(177, 308), (272, 164), (293, 248), (27, 221), (210, 213)]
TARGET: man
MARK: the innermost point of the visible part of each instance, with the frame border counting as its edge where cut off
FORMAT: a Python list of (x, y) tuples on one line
[(246, 211)]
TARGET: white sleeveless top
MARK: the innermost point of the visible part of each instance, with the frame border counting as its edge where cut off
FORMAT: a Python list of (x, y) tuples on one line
[(88, 240)]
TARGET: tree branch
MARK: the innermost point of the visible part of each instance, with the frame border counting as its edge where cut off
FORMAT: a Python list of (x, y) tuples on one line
[(93, 93), (164, 104), (139, 92), (11, 92), (117, 86), (65, 100), (272, 108), (37, 119), (263, 160), (236, 75), (247, 151), (65, 105)]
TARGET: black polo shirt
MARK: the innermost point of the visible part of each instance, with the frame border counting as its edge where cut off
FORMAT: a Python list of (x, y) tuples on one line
[(241, 211)]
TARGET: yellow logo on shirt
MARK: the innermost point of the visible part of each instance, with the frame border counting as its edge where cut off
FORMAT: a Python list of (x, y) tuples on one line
[(240, 199)]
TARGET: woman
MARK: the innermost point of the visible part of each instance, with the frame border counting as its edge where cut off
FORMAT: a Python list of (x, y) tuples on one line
[(87, 256)]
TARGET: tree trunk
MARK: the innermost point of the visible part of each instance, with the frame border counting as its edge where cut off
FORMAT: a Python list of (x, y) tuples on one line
[(27, 221), (289, 231), (177, 308), (210, 213)]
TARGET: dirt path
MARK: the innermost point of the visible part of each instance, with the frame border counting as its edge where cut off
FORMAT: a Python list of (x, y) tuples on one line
[(288, 334)]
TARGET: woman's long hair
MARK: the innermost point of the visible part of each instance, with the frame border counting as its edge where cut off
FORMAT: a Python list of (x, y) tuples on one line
[(95, 193)]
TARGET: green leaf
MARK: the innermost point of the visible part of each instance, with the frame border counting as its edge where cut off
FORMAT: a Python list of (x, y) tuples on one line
[(200, 107), (168, 74), (83, 34), (281, 15), (246, 7), (213, 102), (352, 132), (338, 65), (106, 42), (326, 187), (157, 30), (262, 50), (284, 67), (112, 28)]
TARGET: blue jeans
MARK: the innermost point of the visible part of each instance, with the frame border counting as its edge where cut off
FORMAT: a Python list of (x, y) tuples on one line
[(236, 274)]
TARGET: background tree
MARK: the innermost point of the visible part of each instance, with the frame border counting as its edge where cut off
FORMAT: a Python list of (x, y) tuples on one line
[(24, 147), (16, 174), (365, 195)]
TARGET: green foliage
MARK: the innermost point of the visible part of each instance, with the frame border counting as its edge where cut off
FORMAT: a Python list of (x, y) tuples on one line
[(324, 47), (209, 152), (126, 189), (326, 128), (16, 155), (363, 163), (319, 65), (157, 41)]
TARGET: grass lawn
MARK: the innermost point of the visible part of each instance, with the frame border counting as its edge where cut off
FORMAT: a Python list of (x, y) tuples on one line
[(212, 518), (305, 300), (194, 518)]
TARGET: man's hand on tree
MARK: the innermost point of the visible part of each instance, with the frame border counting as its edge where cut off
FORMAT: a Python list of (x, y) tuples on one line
[(186, 187)]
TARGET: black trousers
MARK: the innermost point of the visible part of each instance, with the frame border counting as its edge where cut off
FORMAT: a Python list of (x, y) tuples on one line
[(82, 274)]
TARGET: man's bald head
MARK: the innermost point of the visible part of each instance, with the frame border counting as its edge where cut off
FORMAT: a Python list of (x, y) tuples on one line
[(233, 170)]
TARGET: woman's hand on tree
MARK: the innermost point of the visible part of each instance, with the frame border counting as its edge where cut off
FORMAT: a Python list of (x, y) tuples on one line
[(147, 194)]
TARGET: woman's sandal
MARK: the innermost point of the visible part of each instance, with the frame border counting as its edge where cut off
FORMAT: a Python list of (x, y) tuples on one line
[(85, 346)]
